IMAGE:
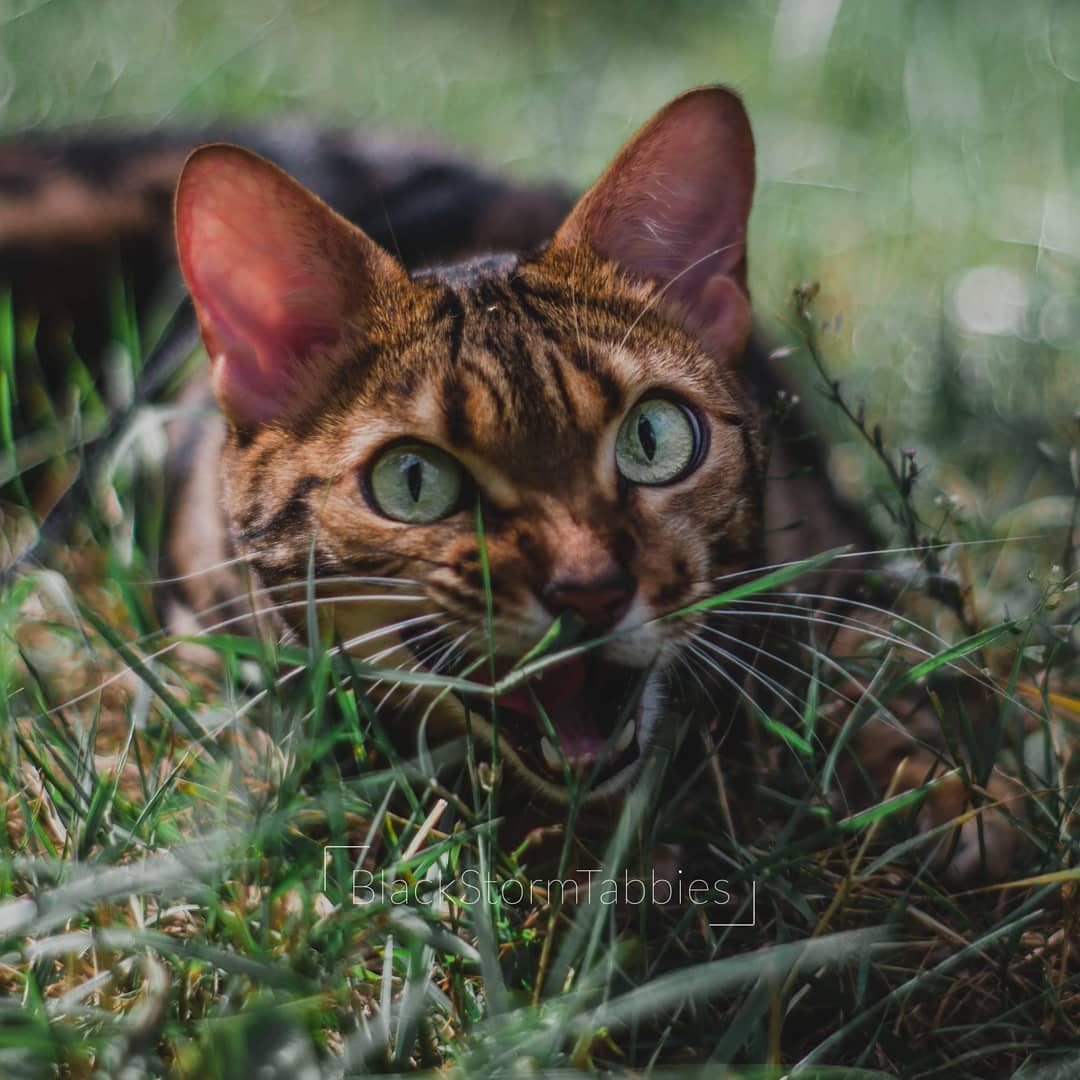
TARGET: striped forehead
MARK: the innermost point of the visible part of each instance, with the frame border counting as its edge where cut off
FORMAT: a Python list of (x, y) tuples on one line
[(507, 384), (527, 372)]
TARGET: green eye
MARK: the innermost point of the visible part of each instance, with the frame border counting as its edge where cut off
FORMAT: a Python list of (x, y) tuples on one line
[(416, 483), (657, 443)]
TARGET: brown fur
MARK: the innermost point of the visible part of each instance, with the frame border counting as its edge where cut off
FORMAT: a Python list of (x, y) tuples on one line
[(521, 368)]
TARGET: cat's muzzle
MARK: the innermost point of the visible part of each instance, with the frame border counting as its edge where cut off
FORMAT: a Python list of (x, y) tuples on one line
[(584, 723), (579, 718)]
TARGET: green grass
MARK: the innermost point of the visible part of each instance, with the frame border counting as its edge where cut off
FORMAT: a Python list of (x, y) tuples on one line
[(167, 903), (919, 159), (173, 904)]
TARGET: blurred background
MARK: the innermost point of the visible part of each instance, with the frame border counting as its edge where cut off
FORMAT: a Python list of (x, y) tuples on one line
[(919, 159)]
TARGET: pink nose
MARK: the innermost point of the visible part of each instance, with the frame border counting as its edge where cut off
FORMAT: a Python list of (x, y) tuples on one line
[(601, 602)]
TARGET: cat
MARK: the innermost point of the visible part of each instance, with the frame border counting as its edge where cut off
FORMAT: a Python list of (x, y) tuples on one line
[(463, 454), (73, 206)]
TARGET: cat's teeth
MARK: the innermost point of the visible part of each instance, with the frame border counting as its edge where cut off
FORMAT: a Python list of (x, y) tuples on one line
[(626, 736), (551, 755)]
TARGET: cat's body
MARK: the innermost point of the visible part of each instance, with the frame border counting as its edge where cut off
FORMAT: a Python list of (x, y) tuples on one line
[(77, 208), (590, 404)]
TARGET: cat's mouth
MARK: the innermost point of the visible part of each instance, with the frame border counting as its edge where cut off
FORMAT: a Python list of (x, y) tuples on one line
[(584, 722), (576, 720)]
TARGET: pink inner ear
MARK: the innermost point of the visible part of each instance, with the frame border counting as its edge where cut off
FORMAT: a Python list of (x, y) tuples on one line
[(720, 316), (267, 293), (673, 206)]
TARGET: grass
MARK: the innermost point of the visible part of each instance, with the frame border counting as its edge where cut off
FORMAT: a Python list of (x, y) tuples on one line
[(169, 900), (183, 843)]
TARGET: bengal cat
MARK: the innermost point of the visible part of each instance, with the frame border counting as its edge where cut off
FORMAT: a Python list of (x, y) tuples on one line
[(590, 401), (462, 454)]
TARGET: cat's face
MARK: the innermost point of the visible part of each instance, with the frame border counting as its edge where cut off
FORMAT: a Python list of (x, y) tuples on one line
[(466, 455)]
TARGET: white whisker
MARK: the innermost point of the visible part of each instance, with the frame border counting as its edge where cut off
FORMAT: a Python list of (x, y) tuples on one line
[(781, 692), (693, 647), (661, 292), (213, 568), (420, 656), (376, 656), (684, 658), (870, 553), (336, 650), (894, 616), (775, 658), (764, 610), (971, 671), (214, 628), (264, 591), (433, 668)]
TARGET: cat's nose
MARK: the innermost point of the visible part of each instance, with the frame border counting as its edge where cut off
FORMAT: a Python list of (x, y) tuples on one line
[(600, 601)]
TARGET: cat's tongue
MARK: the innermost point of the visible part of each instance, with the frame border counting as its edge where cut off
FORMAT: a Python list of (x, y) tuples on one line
[(559, 691), (553, 688)]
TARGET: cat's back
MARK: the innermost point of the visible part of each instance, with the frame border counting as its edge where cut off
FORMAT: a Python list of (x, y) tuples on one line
[(79, 208)]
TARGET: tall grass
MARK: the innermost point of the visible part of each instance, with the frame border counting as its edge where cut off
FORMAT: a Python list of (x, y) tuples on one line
[(185, 843), (181, 837)]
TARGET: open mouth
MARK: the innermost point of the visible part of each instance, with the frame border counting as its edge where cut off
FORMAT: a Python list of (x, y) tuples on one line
[(581, 717)]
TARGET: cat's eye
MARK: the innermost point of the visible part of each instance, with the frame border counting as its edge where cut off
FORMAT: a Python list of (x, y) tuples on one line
[(659, 442), (415, 483)]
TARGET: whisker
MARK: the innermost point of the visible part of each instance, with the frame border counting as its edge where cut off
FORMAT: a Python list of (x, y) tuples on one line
[(972, 671), (455, 651), (685, 657), (765, 610), (287, 605), (741, 690), (434, 668), (420, 656), (156, 582), (661, 292), (459, 652), (828, 661), (335, 650), (792, 613), (262, 591), (419, 653), (894, 616), (416, 666), (783, 694), (151, 658), (884, 714), (776, 659), (374, 657), (867, 553)]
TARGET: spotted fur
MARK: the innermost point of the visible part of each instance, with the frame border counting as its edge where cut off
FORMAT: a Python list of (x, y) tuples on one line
[(521, 365), (325, 351)]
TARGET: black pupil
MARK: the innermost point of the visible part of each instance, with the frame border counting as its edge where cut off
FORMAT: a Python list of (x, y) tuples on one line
[(646, 436), (414, 475)]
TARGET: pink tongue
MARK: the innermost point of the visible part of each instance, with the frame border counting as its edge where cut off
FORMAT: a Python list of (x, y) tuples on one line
[(555, 687), (559, 691)]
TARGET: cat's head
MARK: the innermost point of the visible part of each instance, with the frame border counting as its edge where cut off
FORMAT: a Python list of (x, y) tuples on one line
[(584, 403)]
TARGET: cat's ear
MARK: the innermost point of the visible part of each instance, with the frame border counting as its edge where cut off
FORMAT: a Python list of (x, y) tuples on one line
[(672, 208), (276, 278)]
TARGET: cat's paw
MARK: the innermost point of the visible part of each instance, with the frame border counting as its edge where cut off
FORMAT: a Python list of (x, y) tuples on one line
[(985, 843)]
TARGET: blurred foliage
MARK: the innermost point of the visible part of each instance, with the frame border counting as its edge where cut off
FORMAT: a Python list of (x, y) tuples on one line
[(916, 157)]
